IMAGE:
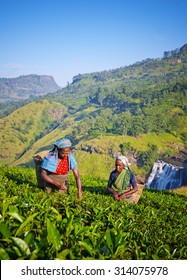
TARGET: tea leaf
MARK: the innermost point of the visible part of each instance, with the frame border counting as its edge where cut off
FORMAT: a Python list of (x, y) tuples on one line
[(28, 220), (109, 241), (62, 255), (87, 247), (4, 255), (29, 238), (22, 245), (53, 235), (16, 216), (4, 229)]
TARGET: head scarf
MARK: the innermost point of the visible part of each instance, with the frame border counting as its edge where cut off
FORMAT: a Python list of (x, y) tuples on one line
[(63, 143), (124, 160)]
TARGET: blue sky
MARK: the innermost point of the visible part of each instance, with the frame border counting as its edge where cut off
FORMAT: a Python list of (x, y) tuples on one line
[(64, 38)]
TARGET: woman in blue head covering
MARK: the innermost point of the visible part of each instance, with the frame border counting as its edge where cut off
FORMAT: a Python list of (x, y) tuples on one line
[(122, 183), (56, 166)]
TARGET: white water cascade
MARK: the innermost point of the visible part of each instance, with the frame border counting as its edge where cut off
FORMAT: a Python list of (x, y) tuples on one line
[(165, 176)]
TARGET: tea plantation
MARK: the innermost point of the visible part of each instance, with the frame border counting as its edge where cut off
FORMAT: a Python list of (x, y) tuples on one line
[(35, 225)]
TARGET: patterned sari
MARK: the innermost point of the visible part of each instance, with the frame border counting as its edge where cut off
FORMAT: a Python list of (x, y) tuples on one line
[(122, 181)]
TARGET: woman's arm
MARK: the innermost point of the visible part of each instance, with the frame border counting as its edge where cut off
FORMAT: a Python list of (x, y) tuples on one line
[(78, 182), (49, 180), (109, 189)]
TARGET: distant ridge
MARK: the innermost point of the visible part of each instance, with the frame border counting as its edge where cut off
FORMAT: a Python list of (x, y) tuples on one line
[(25, 86)]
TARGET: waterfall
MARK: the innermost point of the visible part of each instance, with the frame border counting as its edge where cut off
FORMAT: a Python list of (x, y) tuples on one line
[(165, 176)]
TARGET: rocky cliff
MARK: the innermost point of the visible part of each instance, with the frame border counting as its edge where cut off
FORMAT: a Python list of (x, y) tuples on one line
[(25, 86)]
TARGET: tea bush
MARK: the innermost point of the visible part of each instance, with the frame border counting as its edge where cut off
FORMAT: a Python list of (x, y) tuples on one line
[(35, 225)]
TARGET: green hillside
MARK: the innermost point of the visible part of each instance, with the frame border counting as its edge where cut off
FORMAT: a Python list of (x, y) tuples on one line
[(95, 154), (24, 126), (139, 110)]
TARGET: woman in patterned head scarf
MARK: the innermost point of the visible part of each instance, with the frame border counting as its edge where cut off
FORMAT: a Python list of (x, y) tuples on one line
[(122, 183), (56, 166)]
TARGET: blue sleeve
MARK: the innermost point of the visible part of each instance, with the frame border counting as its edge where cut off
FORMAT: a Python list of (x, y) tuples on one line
[(72, 161), (111, 179), (132, 180)]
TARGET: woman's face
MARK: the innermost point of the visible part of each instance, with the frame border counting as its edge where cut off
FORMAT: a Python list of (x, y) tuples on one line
[(119, 166), (62, 153)]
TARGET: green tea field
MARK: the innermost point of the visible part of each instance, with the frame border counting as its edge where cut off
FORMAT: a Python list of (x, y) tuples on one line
[(35, 225)]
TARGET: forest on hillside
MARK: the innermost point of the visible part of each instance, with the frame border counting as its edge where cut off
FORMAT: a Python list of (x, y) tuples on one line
[(147, 97)]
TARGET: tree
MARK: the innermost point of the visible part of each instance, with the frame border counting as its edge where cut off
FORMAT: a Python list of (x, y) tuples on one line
[(167, 54), (101, 94), (147, 158)]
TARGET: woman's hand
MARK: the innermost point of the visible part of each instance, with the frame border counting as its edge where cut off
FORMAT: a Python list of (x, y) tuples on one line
[(121, 196), (62, 187), (116, 196), (80, 196), (128, 193)]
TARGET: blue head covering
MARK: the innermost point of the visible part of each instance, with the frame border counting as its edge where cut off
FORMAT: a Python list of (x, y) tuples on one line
[(50, 161), (63, 143)]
